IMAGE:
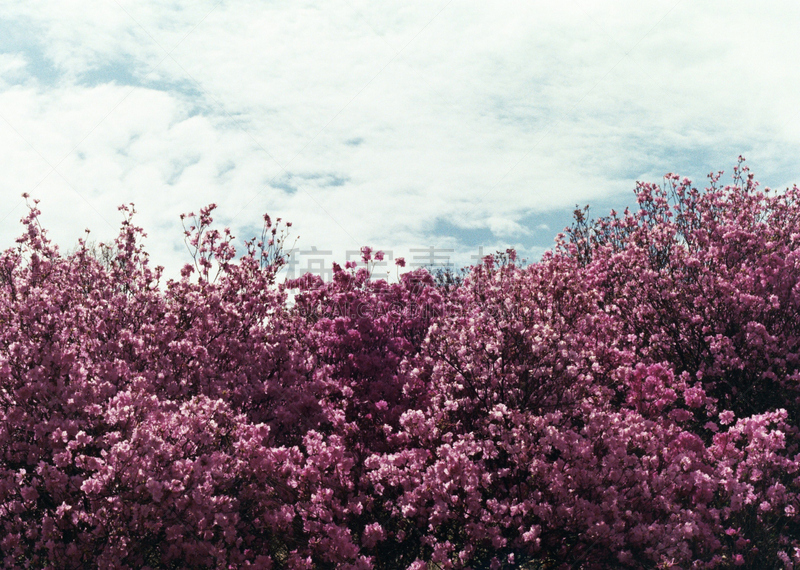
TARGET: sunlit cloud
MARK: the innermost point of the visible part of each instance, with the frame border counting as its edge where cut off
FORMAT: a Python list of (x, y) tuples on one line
[(400, 125)]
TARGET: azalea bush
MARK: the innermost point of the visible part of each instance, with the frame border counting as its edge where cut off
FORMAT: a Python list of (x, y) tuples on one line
[(632, 400)]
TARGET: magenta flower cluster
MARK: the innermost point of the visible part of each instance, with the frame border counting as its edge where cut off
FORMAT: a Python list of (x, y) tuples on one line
[(630, 401)]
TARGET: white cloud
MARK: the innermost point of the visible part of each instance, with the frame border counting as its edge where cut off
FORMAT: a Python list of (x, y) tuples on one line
[(364, 123)]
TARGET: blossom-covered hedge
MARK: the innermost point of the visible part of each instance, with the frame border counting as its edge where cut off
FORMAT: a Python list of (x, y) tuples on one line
[(630, 401)]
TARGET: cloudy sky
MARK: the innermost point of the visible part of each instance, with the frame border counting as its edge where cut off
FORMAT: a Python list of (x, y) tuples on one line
[(444, 124)]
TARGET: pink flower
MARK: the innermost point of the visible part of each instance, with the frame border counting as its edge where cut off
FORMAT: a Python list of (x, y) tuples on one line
[(350, 423), (373, 533)]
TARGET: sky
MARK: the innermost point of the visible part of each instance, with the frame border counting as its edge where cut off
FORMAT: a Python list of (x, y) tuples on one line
[(434, 130)]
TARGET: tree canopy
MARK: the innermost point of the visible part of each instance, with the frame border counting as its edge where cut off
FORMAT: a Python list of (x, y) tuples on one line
[(631, 400)]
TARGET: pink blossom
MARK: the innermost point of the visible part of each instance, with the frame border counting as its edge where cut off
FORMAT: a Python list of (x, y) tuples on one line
[(567, 410)]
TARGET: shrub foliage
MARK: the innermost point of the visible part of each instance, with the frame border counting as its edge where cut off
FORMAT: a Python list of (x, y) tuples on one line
[(632, 400)]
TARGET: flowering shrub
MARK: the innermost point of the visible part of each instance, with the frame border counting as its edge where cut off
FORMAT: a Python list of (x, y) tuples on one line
[(630, 401)]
